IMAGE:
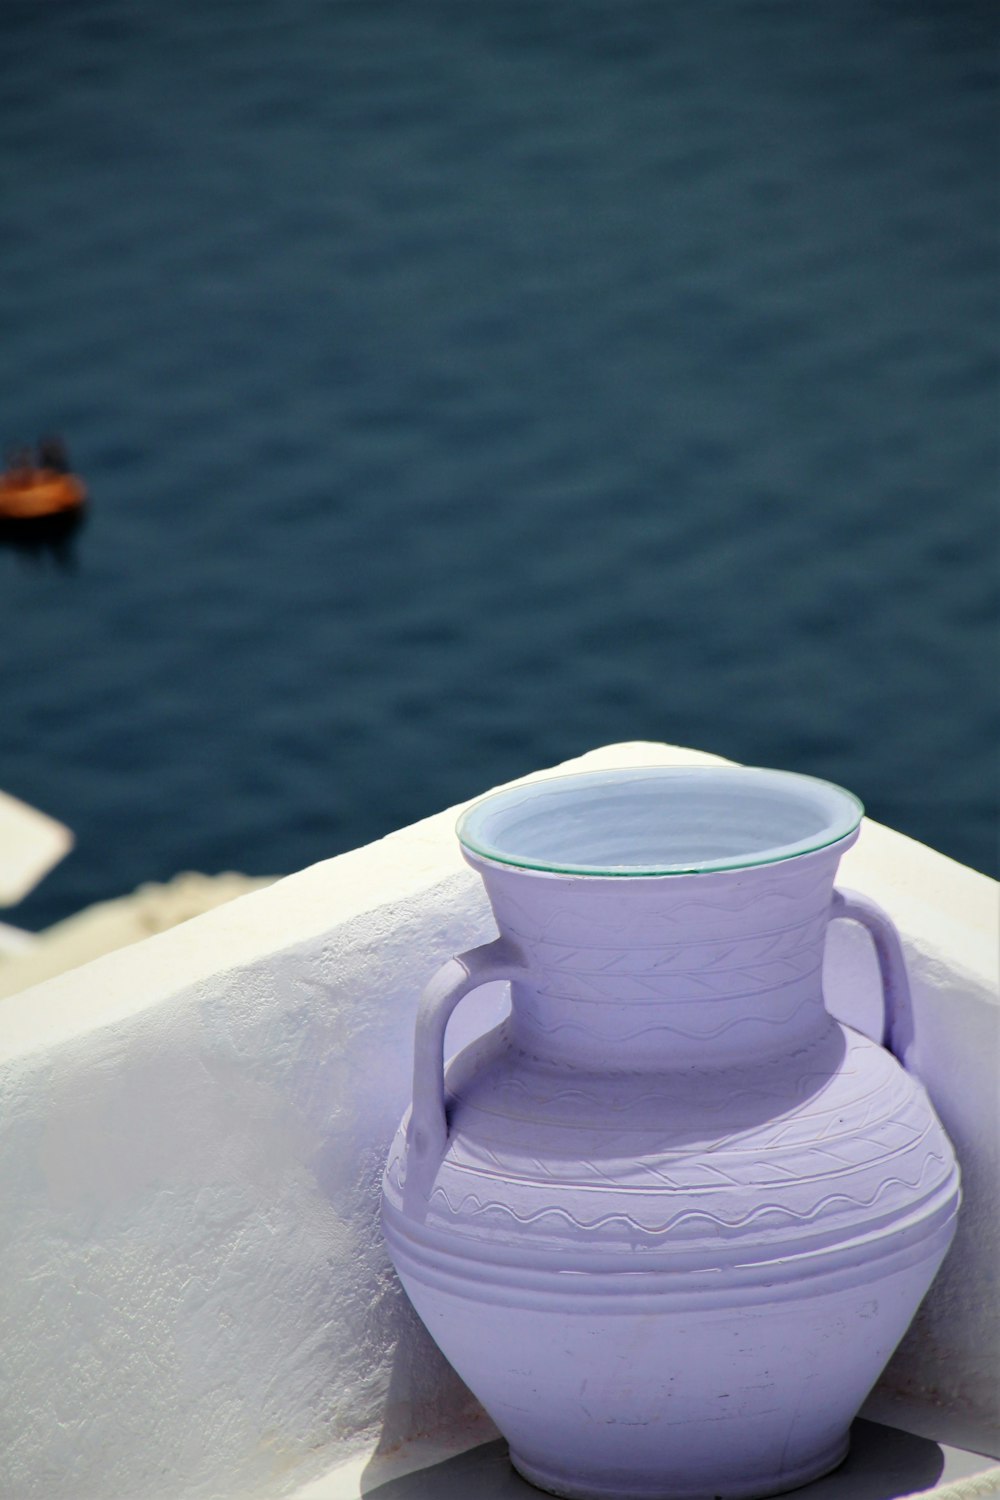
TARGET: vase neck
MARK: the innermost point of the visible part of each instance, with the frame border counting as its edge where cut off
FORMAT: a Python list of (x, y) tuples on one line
[(669, 972)]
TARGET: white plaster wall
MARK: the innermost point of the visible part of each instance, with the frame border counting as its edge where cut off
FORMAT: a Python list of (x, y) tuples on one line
[(949, 919), (194, 1300)]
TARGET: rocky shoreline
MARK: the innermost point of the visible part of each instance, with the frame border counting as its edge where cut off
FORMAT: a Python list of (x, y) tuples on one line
[(28, 958)]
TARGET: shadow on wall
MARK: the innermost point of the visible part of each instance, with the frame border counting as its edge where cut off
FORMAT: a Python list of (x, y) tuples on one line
[(424, 1391), (883, 1464)]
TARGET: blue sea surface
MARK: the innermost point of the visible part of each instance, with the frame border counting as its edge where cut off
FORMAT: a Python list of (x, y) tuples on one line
[(460, 387)]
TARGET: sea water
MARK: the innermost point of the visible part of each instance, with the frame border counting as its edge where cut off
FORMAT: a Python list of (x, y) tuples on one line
[(461, 387)]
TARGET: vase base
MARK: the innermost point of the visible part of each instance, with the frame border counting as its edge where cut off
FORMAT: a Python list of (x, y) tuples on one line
[(574, 1487)]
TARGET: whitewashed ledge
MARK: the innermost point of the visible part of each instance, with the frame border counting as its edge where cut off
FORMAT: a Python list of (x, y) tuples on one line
[(195, 1301)]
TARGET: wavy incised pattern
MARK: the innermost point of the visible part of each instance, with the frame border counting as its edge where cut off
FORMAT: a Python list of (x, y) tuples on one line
[(471, 1206), (659, 1183), (700, 953), (661, 1027), (697, 956), (677, 986), (686, 1174), (846, 1146), (669, 953), (534, 1152), (639, 1095)]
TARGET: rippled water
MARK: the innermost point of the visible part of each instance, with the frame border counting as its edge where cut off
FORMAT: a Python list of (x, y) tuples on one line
[(461, 387)]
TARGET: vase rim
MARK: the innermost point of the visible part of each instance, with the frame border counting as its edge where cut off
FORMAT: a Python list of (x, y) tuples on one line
[(654, 820)]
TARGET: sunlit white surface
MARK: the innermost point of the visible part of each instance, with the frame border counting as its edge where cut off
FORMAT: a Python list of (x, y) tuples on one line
[(198, 1300)]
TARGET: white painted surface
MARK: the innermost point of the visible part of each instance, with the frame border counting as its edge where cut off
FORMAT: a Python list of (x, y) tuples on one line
[(949, 917), (195, 1301), (30, 844)]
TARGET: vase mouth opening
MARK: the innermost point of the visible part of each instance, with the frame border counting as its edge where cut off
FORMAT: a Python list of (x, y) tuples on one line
[(659, 820)]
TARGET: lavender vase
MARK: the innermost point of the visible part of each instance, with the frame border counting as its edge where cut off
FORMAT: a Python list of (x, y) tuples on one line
[(668, 1220)]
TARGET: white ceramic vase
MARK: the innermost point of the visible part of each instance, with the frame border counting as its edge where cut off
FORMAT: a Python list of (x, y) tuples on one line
[(670, 1219)]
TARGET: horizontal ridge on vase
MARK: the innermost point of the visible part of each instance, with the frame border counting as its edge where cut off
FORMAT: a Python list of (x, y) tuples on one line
[(669, 1219)]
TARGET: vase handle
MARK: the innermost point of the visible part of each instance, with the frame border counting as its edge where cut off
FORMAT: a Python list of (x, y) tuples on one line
[(427, 1132), (897, 1011)]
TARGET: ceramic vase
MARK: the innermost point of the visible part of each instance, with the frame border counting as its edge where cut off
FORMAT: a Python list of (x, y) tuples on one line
[(670, 1219)]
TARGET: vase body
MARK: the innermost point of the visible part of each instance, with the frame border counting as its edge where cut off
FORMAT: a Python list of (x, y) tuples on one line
[(678, 1218)]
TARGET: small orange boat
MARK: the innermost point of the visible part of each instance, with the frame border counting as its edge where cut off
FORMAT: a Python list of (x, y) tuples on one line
[(30, 491)]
